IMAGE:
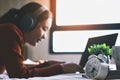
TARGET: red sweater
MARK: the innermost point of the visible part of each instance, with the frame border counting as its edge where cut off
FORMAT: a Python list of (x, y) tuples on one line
[(11, 57)]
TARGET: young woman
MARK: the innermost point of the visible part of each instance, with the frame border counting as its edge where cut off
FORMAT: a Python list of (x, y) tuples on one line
[(28, 24)]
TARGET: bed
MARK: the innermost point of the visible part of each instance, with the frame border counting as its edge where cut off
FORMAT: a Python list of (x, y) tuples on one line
[(68, 76)]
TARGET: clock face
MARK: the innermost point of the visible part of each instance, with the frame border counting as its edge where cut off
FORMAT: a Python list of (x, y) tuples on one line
[(95, 69), (92, 67)]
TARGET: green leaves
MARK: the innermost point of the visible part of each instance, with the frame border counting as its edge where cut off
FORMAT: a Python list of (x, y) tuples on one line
[(99, 48)]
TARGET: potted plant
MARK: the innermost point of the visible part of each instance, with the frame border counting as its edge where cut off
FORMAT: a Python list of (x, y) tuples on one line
[(103, 51)]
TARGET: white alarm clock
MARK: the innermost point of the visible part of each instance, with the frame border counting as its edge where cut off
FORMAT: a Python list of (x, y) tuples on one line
[(96, 68)]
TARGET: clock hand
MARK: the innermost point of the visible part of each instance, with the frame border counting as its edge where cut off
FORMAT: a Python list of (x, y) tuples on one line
[(93, 69)]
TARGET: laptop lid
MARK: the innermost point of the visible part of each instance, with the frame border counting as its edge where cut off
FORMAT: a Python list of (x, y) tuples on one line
[(108, 39)]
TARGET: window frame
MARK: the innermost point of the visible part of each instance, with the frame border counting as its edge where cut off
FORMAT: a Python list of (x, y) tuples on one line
[(73, 28)]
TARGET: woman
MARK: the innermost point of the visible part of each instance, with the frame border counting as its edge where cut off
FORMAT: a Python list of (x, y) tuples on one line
[(27, 25)]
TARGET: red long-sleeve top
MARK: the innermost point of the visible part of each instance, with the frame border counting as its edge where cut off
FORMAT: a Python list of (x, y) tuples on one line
[(11, 59)]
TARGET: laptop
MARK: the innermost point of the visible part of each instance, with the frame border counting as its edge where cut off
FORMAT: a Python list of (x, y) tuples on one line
[(109, 39)]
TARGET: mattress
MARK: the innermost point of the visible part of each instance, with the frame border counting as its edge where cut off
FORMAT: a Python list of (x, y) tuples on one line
[(68, 76)]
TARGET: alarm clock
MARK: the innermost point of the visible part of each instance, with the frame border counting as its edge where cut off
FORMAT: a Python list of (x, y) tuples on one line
[(96, 68)]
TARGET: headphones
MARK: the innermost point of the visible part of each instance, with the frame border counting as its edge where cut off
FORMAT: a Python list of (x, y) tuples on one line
[(29, 21)]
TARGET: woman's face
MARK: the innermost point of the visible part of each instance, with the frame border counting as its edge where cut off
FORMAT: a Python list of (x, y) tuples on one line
[(39, 33)]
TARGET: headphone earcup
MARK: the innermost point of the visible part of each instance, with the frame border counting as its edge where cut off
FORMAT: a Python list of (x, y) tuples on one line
[(27, 22)]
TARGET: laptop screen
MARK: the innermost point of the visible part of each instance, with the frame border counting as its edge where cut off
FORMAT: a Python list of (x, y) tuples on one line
[(110, 40)]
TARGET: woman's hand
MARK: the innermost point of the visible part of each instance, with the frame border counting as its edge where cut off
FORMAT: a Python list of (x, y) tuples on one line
[(70, 67), (50, 62), (67, 67)]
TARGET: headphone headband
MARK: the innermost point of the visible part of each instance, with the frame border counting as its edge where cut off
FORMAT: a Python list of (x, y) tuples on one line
[(40, 10)]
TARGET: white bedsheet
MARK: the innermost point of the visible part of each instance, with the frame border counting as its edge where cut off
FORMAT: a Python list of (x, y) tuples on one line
[(68, 76)]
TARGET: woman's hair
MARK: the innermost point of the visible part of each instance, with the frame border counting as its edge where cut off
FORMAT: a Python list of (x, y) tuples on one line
[(9, 16), (15, 16)]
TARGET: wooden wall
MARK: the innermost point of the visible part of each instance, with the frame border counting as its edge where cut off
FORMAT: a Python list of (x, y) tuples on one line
[(5, 5)]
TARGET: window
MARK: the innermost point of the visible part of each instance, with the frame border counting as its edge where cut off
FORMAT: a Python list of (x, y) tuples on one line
[(77, 20), (72, 12)]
